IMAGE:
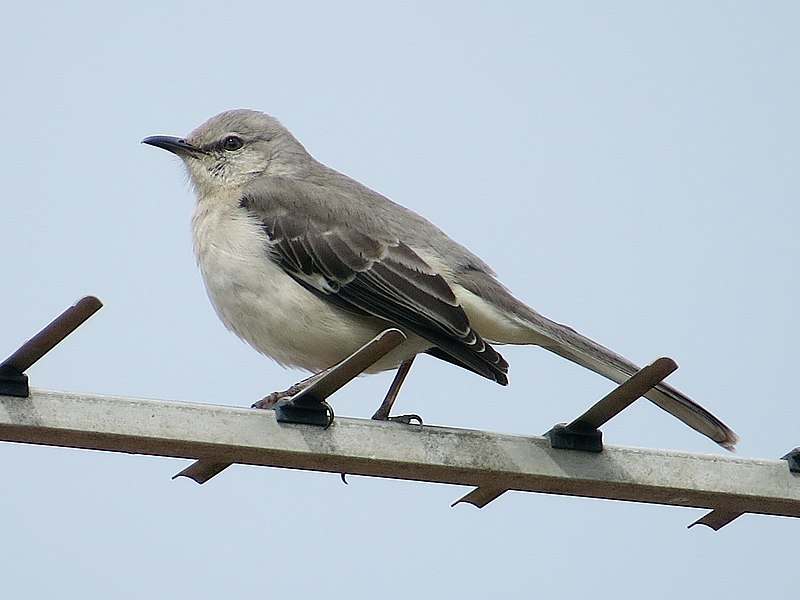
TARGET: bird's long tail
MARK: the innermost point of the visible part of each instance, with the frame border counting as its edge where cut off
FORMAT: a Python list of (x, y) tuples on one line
[(570, 344)]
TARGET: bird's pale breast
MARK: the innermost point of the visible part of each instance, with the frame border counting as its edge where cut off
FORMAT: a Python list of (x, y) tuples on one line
[(265, 307)]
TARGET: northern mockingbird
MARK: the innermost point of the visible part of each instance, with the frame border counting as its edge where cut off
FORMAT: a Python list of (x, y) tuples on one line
[(307, 265)]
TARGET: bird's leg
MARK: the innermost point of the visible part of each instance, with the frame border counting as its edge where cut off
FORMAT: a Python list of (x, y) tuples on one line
[(382, 414), (273, 398)]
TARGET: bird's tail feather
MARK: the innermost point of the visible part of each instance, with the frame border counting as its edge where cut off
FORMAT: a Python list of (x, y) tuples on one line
[(570, 344)]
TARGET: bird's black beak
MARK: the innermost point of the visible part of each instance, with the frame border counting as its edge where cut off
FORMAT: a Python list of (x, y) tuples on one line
[(175, 145)]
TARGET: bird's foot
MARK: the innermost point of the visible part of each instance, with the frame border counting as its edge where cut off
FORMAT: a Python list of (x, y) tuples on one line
[(268, 402), (407, 419)]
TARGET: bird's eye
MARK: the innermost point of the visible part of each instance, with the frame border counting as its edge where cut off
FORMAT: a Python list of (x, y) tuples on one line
[(232, 143)]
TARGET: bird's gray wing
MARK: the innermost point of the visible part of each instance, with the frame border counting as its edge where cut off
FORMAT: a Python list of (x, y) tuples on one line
[(368, 274)]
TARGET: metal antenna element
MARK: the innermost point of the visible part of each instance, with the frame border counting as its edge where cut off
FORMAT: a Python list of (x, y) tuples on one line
[(13, 381), (309, 406), (584, 434), (490, 463), (493, 462), (718, 518), (304, 407)]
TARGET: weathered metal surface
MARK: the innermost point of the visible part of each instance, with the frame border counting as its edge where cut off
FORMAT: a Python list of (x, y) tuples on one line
[(383, 449)]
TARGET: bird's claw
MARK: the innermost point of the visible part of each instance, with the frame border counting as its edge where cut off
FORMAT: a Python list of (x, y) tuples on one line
[(269, 401), (407, 419)]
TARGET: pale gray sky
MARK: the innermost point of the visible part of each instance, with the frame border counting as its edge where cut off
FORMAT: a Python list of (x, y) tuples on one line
[(630, 169)]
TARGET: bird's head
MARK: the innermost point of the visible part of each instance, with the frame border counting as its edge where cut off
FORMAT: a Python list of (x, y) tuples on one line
[(232, 148)]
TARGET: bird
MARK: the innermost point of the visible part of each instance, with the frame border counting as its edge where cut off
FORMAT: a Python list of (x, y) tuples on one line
[(306, 265)]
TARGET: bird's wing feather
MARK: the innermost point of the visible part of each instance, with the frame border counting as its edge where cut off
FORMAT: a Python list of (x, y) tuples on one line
[(369, 274)]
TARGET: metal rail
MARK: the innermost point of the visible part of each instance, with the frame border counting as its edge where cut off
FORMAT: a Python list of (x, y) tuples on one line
[(492, 462)]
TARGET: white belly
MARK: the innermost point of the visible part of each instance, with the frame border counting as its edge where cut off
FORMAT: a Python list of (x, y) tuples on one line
[(265, 307)]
